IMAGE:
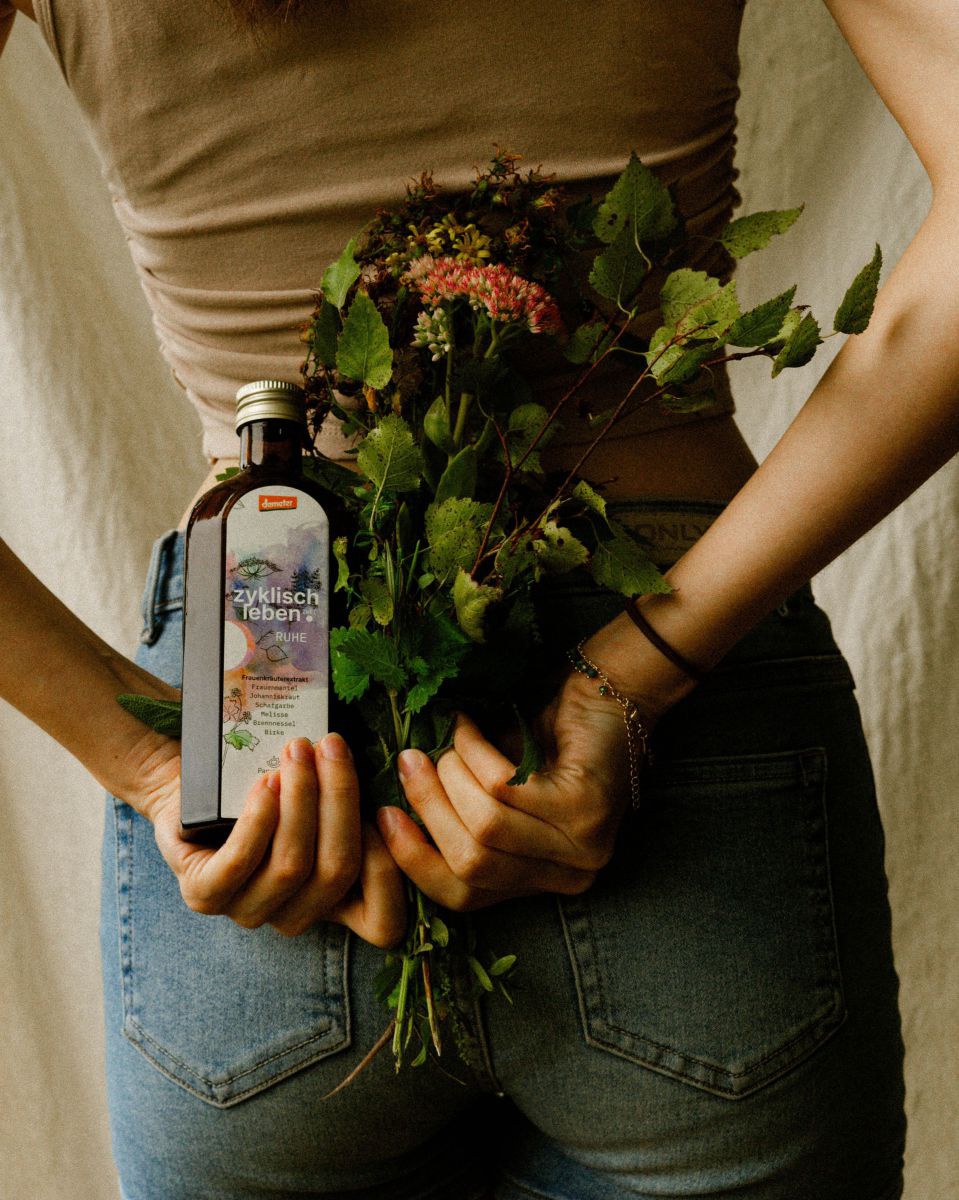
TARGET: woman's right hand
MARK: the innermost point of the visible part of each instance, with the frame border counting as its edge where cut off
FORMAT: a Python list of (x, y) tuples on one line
[(296, 853)]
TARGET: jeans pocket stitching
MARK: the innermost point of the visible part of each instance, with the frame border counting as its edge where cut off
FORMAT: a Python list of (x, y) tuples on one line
[(818, 1025)]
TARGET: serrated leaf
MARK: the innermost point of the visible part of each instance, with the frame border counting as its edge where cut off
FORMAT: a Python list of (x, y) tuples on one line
[(471, 600), (389, 456), (374, 653), (618, 270), (455, 530), (690, 299), (557, 550), (680, 363), (364, 352), (697, 402), (525, 422), (756, 230), (350, 680), (458, 480), (855, 311), (620, 564), (761, 324), (378, 595), (324, 333), (637, 201), (532, 758), (800, 346), (162, 715), (588, 495), (340, 276), (513, 559), (342, 566), (239, 739), (583, 341), (502, 965)]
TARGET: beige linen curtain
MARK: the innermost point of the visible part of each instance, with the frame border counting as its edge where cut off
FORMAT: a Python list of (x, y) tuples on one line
[(99, 454)]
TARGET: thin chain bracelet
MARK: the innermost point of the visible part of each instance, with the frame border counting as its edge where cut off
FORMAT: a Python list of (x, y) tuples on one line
[(637, 733)]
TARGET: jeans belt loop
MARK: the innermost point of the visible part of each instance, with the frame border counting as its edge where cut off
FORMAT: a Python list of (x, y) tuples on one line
[(151, 593)]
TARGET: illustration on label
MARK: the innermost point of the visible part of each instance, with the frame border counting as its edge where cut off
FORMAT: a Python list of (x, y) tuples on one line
[(275, 633)]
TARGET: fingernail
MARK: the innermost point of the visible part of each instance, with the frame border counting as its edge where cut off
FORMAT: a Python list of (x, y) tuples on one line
[(273, 781), (408, 762), (334, 746), (386, 819), (301, 750)]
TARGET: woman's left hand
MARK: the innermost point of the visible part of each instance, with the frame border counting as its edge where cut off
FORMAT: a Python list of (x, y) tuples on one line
[(494, 841)]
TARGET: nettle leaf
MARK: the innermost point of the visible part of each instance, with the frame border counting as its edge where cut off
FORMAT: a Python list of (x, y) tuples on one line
[(162, 715), (439, 645), (692, 298), (639, 201), (471, 600), (761, 324), (621, 564), (458, 480), (753, 232), (558, 551), (619, 270), (371, 653), (324, 333), (340, 276), (800, 345), (380, 600), (342, 566), (240, 739), (852, 316), (454, 530), (364, 352), (583, 341), (389, 456), (532, 759), (350, 680)]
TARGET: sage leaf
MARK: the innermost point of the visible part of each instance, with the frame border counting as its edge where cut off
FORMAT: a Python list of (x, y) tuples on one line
[(621, 564), (637, 202), (164, 716), (800, 345), (340, 276), (502, 965), (364, 352), (854, 312), (753, 232), (480, 972), (471, 600), (761, 324), (389, 457)]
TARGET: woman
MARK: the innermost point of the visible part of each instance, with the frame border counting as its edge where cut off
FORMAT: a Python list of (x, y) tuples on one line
[(717, 1013)]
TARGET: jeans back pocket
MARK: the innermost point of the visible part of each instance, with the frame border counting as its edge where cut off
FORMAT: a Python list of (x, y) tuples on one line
[(706, 950), (223, 1011)]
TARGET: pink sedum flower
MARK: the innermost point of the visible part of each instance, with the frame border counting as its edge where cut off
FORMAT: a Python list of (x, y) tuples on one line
[(505, 296)]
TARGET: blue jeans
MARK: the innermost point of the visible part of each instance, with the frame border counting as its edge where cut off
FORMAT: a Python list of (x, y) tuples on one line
[(716, 1017)]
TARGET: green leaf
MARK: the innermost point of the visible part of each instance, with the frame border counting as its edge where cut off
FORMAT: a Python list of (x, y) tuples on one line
[(532, 759), (378, 594), (525, 422), (638, 202), (621, 564), (359, 615), (471, 600), (239, 739), (800, 345), (434, 649), (588, 495), (373, 652), (340, 276), (455, 531), (350, 680), (458, 481), (324, 333), (439, 931), (692, 298), (227, 473), (695, 402), (364, 350), (761, 324), (558, 551), (753, 232), (389, 457), (436, 425), (680, 363), (480, 972), (512, 560), (342, 566), (324, 470), (583, 341), (618, 271), (852, 316), (502, 965), (162, 715)]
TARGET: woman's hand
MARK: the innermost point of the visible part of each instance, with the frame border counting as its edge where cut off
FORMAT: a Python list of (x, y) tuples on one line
[(294, 855), (494, 841)]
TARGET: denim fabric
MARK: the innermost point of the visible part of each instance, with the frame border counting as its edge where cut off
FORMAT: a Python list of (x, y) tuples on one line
[(716, 1017)]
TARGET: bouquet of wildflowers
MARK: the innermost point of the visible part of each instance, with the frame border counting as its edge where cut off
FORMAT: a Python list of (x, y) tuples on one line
[(424, 320)]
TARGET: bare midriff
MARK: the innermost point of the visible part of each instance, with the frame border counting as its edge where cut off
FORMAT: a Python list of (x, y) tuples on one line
[(706, 460)]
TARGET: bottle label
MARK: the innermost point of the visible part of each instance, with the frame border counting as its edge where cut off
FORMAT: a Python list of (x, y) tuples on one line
[(275, 633)]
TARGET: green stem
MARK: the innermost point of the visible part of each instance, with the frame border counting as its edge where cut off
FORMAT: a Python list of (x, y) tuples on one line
[(466, 399)]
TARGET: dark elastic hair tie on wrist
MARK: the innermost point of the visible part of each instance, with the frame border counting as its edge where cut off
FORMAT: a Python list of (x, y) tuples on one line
[(661, 644)]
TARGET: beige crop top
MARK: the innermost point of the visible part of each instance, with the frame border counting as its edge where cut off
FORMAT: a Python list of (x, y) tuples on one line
[(240, 165)]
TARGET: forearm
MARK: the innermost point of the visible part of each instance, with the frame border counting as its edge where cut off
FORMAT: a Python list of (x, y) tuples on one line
[(60, 675), (884, 417)]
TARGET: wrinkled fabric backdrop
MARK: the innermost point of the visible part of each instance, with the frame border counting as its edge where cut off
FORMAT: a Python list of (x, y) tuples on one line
[(100, 453)]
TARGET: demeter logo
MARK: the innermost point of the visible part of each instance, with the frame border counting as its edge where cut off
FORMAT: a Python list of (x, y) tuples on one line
[(268, 503)]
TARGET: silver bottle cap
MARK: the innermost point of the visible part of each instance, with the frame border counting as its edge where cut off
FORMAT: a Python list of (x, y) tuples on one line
[(269, 398)]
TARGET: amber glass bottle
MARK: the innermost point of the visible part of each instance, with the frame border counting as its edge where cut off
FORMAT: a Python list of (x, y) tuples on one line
[(257, 613)]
